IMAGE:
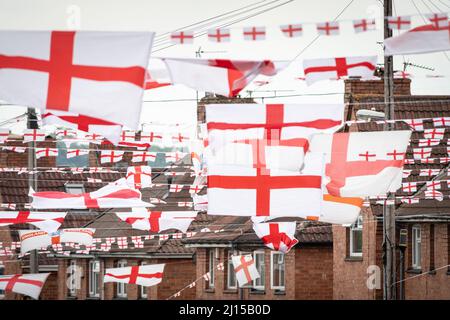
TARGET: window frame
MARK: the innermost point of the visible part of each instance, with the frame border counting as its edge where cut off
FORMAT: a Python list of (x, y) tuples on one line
[(142, 289), (272, 271), (230, 271), (2, 292), (262, 274), (94, 279), (356, 227), (121, 288), (72, 287), (73, 186), (211, 258), (416, 247)]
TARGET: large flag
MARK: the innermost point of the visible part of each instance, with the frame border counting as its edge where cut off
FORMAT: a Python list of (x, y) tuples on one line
[(336, 68), (27, 284), (423, 39), (270, 136), (362, 164), (47, 221), (117, 195), (146, 275), (224, 77), (340, 210), (99, 74), (245, 269), (139, 177), (245, 191), (278, 236), (157, 221), (35, 239)]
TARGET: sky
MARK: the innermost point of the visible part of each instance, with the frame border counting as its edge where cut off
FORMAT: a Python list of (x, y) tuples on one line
[(165, 16)]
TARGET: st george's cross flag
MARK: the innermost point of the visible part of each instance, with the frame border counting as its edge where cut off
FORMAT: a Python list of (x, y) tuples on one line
[(117, 195), (29, 284), (336, 68), (36, 239), (362, 164), (339, 210), (72, 153), (146, 275), (47, 221), (157, 221), (245, 269), (423, 39), (98, 74), (267, 135), (246, 191), (139, 177), (46, 152), (278, 236), (224, 77)]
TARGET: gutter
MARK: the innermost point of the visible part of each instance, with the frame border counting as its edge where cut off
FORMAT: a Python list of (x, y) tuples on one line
[(121, 255)]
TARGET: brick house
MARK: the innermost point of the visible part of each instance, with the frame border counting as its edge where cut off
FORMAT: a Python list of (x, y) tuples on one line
[(357, 251)]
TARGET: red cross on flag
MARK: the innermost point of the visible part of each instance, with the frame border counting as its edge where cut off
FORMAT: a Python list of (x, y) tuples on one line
[(47, 221), (336, 68), (429, 142), (72, 153), (364, 25), (4, 134), (433, 185), (111, 156), (34, 239), (399, 23), (421, 153), (139, 177), (348, 175), (292, 30), (110, 196), (409, 187), (270, 136), (144, 156), (200, 202), (415, 124), (433, 194), (412, 41), (182, 37), (91, 73), (32, 134), (157, 221), (246, 191), (435, 133), (428, 172), (224, 77), (328, 28), (46, 152), (254, 33), (245, 269), (441, 122), (278, 236), (146, 275), (219, 35), (27, 284), (438, 20), (15, 149)]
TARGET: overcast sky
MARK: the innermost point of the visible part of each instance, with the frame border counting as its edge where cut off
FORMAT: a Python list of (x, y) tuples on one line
[(164, 16)]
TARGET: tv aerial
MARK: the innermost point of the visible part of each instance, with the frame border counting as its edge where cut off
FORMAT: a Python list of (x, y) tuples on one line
[(198, 53)]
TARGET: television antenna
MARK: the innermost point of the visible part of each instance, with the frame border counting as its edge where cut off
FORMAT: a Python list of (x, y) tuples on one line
[(198, 53)]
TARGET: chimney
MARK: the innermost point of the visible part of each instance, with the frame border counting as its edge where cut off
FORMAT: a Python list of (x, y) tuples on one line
[(211, 98), (402, 87)]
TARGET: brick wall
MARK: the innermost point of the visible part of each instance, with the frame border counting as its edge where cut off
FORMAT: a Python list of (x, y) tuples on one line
[(216, 99), (376, 87)]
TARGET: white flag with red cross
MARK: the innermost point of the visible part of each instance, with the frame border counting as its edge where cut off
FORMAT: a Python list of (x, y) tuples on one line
[(278, 236), (246, 191), (145, 275), (362, 164), (27, 284), (254, 33), (111, 156), (438, 20), (47, 221), (139, 177), (200, 202), (36, 239), (441, 121), (434, 133), (364, 25), (95, 126), (117, 195), (182, 37), (72, 153), (219, 35), (224, 77), (46, 152), (270, 136), (328, 28), (245, 269), (292, 30), (423, 39), (421, 153), (399, 23), (144, 156), (157, 221), (336, 68), (91, 73), (31, 134)]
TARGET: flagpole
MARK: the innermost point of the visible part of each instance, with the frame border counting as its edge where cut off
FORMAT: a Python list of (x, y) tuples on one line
[(32, 182), (389, 243)]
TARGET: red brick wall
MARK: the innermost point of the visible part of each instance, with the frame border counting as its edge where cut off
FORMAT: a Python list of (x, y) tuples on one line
[(376, 87)]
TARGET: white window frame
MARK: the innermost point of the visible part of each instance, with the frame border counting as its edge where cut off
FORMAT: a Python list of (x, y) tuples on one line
[(72, 285), (211, 258), (143, 289), (121, 288), (357, 226), (262, 274), (272, 271), (74, 188), (2, 292), (94, 279), (416, 248), (230, 271)]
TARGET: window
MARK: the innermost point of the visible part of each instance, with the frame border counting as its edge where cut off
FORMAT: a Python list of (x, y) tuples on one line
[(231, 275), (432, 233), (74, 188), (72, 279), (355, 238), (260, 283), (211, 268), (2, 272), (94, 279), (416, 247), (277, 271), (78, 161), (142, 289), (121, 287)]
